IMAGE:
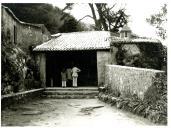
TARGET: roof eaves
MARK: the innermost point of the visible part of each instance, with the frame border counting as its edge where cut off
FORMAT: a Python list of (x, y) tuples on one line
[(70, 49), (134, 40)]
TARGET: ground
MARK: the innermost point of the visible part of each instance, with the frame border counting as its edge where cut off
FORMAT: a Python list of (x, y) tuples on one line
[(69, 113)]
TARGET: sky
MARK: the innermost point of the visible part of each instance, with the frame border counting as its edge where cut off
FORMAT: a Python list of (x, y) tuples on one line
[(138, 10)]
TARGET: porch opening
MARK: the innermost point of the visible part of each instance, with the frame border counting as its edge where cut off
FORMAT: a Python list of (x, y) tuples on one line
[(85, 60)]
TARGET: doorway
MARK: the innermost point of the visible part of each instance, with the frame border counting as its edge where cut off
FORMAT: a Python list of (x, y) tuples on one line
[(84, 60)]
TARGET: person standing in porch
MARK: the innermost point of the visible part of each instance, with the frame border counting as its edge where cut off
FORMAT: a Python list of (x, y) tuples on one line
[(75, 71), (69, 76), (64, 77)]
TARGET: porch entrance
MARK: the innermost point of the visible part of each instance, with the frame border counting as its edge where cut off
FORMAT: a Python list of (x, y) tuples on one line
[(85, 60)]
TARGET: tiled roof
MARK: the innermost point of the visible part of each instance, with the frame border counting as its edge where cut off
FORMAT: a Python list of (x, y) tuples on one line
[(87, 40)]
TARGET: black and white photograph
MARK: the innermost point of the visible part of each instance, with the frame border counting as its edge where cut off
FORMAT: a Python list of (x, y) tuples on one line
[(84, 64)]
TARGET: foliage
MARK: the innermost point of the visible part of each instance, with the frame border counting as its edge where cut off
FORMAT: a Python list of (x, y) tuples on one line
[(109, 19), (157, 111), (68, 6), (159, 21), (52, 17), (85, 27), (151, 56), (164, 59), (70, 25), (12, 64)]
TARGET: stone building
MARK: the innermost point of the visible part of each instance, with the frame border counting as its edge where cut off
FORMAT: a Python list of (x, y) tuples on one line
[(90, 51), (21, 33)]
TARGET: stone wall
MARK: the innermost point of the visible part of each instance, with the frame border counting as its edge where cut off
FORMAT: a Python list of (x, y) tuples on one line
[(130, 80), (103, 58), (28, 36)]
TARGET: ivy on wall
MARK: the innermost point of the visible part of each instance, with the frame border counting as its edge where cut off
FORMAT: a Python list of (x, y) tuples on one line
[(15, 66), (141, 55), (12, 64)]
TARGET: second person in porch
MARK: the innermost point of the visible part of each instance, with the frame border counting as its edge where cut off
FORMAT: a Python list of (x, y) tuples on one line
[(75, 71)]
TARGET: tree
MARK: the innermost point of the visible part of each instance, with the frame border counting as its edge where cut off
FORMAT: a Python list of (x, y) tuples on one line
[(108, 20), (159, 21), (70, 25), (68, 6)]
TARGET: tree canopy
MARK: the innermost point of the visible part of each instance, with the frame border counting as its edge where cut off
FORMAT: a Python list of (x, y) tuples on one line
[(159, 21), (109, 20)]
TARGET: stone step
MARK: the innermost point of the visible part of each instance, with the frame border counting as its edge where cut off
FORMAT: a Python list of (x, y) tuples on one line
[(70, 92), (92, 96), (72, 89), (67, 92)]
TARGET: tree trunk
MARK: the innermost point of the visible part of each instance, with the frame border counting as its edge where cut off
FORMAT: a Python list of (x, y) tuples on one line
[(102, 19), (98, 26)]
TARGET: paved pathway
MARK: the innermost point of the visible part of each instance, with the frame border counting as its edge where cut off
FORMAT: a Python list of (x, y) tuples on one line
[(70, 113)]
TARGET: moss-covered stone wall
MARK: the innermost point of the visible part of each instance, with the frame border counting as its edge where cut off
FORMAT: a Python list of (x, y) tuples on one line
[(130, 80)]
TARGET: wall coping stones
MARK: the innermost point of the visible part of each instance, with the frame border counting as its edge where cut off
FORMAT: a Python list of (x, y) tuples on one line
[(21, 93), (20, 97), (136, 68)]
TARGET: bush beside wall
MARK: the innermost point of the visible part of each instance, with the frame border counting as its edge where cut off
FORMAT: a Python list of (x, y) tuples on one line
[(144, 55), (157, 113)]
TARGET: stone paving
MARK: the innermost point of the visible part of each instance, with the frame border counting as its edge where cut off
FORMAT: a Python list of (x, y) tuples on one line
[(70, 113)]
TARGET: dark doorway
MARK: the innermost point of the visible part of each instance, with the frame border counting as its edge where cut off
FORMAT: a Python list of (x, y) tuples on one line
[(85, 60)]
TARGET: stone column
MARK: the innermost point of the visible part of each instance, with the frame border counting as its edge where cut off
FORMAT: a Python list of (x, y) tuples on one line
[(103, 58), (113, 52), (43, 69)]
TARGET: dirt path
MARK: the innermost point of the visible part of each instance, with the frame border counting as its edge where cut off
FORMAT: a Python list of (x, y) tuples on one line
[(69, 113)]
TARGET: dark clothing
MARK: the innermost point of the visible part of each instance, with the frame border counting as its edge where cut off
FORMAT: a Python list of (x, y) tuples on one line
[(63, 76), (69, 83)]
